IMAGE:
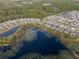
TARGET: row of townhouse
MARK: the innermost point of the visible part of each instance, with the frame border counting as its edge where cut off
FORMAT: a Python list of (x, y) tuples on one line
[(55, 24), (52, 22), (16, 22)]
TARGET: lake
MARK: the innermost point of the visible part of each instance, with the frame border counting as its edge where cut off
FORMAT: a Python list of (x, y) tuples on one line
[(9, 32), (39, 41)]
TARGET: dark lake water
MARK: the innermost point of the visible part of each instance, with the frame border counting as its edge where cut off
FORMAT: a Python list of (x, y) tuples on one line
[(39, 41), (9, 32)]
